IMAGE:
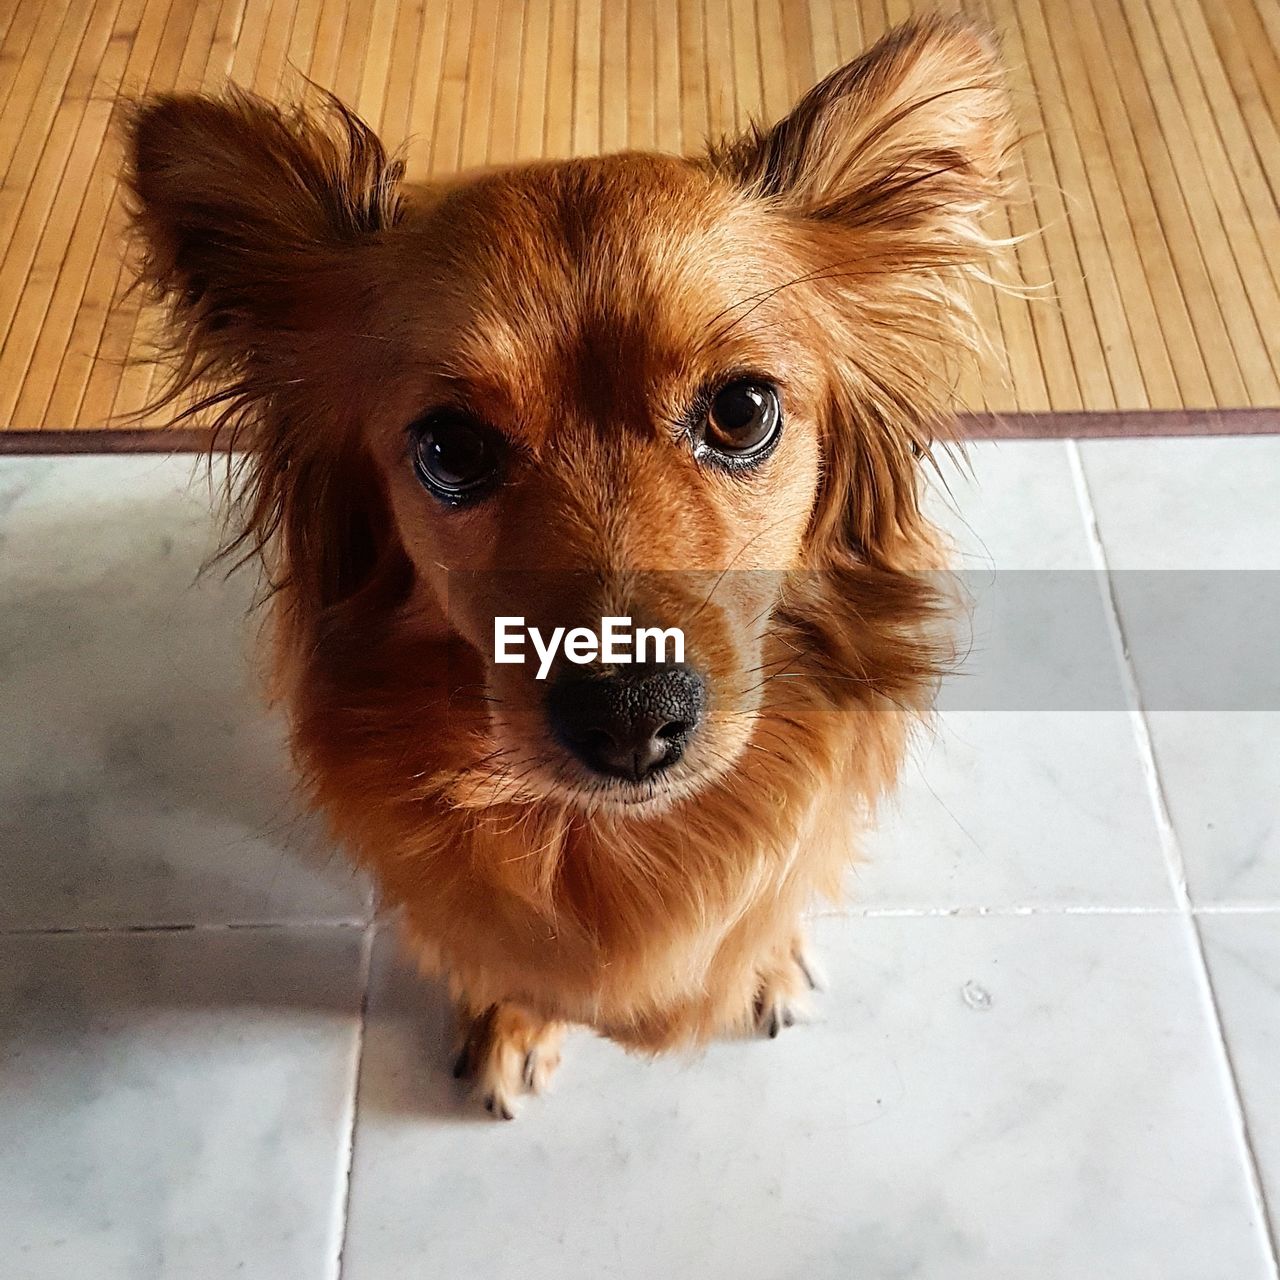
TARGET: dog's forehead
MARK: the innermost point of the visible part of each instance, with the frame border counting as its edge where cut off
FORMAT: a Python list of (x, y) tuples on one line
[(591, 281)]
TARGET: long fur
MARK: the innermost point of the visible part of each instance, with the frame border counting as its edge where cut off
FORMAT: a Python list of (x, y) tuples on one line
[(286, 246)]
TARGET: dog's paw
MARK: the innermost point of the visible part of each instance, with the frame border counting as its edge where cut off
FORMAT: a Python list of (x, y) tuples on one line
[(783, 996), (507, 1053)]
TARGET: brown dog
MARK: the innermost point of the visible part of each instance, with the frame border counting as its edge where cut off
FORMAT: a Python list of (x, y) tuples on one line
[(691, 392)]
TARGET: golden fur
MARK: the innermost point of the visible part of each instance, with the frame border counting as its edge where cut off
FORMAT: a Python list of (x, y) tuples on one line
[(578, 307)]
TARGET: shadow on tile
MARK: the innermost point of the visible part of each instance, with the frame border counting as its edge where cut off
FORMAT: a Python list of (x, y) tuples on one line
[(141, 780), (176, 1104), (60, 987)]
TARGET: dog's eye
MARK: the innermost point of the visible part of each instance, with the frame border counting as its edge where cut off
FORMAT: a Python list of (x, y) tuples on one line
[(457, 459), (743, 421)]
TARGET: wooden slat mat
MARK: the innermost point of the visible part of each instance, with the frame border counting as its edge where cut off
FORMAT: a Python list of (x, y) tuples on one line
[(1151, 156)]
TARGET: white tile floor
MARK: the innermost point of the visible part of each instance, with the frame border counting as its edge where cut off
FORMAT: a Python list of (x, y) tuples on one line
[(1050, 1048)]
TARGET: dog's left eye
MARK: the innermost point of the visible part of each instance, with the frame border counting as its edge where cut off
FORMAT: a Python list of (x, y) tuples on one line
[(456, 459), (743, 421)]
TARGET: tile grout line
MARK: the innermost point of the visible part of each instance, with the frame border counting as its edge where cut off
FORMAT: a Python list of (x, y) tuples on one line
[(859, 912), (1006, 912), (1235, 909), (1174, 861), (204, 926), (349, 1152)]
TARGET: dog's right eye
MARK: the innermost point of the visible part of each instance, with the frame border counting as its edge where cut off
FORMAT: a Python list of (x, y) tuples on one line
[(457, 459)]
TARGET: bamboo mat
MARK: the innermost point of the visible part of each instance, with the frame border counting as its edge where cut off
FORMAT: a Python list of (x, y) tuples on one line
[(1151, 158)]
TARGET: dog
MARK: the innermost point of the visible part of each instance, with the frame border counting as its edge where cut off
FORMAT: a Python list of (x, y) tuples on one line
[(693, 392)]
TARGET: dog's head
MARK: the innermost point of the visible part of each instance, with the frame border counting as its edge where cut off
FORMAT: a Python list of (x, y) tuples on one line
[(688, 392)]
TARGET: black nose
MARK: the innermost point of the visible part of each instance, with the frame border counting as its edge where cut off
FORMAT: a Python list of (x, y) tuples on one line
[(629, 725)]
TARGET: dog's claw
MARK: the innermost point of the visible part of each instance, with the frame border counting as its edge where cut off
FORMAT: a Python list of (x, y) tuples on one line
[(779, 1016), (781, 997), (773, 1018), (498, 1108), (808, 964), (505, 1052)]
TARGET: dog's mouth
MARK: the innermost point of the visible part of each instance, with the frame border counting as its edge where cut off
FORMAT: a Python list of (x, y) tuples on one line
[(644, 798), (551, 775)]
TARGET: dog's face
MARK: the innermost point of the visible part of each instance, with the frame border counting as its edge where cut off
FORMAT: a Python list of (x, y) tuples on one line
[(635, 386), (587, 422)]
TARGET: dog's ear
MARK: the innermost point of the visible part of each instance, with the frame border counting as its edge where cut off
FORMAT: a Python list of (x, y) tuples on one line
[(256, 224), (243, 209), (882, 174), (910, 136)]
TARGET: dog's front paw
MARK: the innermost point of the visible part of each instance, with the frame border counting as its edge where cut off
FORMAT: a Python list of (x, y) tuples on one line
[(786, 984), (507, 1053)]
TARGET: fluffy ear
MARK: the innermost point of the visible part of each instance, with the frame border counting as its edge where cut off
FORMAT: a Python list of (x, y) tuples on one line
[(913, 134), (884, 171), (255, 224), (243, 210)]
